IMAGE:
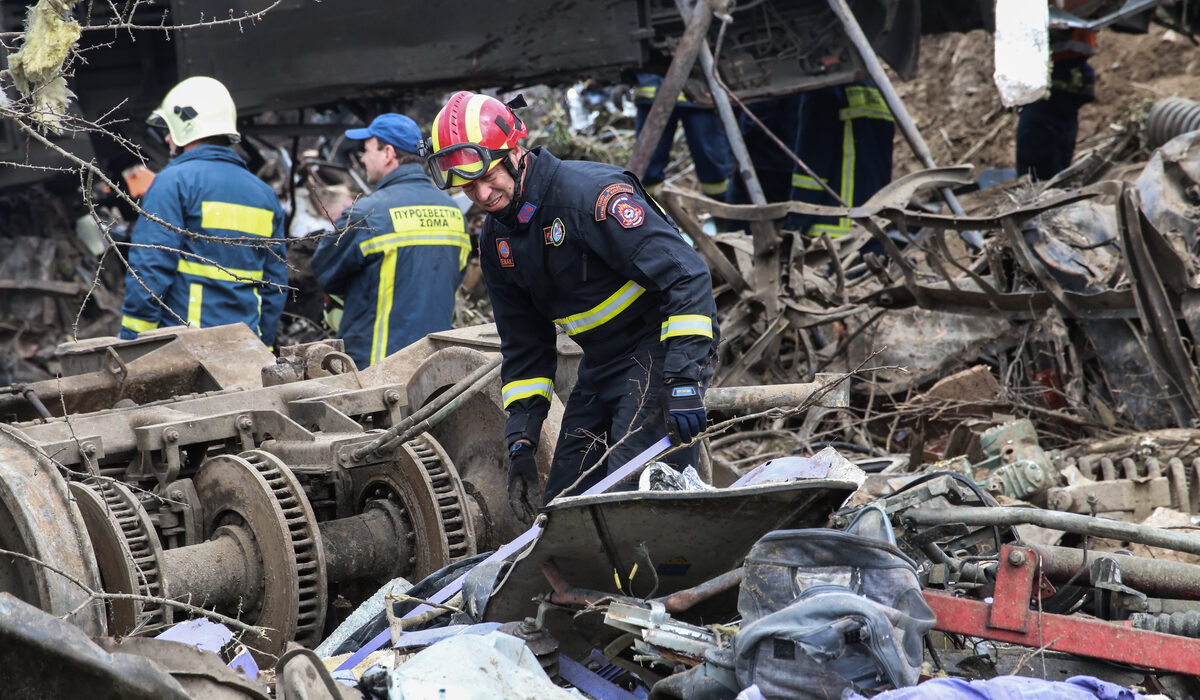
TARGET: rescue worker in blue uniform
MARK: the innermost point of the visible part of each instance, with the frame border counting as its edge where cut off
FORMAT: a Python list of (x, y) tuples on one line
[(228, 263), (845, 135), (397, 255), (705, 137), (581, 246), (1047, 129)]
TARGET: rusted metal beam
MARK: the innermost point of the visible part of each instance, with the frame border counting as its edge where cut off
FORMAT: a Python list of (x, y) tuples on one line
[(664, 100)]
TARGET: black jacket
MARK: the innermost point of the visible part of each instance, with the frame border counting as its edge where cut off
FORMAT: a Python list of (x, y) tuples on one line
[(588, 249)]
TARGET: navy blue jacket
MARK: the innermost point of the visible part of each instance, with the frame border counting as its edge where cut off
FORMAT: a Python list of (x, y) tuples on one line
[(397, 260), (229, 268), (588, 250)]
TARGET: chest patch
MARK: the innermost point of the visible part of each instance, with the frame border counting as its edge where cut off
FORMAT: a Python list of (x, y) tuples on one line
[(606, 196), (627, 212), (505, 253), (526, 212), (555, 233)]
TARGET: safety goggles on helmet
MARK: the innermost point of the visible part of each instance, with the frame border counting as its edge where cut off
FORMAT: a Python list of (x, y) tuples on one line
[(457, 165)]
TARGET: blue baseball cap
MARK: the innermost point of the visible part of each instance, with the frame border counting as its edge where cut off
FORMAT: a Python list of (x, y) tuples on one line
[(395, 129)]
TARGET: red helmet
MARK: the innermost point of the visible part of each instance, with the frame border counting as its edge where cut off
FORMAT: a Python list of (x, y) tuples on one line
[(471, 136)]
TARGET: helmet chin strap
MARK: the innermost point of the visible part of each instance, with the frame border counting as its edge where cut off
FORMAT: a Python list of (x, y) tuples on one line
[(507, 215)]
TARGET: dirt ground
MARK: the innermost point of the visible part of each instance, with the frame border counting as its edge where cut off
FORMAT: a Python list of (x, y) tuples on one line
[(957, 109)]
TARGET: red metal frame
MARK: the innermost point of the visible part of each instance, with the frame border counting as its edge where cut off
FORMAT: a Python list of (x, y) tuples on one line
[(1010, 619)]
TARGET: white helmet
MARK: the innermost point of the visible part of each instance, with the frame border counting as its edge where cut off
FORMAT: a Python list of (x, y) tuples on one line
[(197, 108)]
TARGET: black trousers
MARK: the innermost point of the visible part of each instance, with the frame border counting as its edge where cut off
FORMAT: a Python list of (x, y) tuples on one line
[(614, 402)]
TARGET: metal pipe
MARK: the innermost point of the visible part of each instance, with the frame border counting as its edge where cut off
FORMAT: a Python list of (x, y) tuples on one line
[(764, 233), (374, 543), (664, 100), (566, 594), (1067, 522), (225, 571), (1159, 577), (387, 439), (903, 119), (733, 132), (688, 597), (739, 399)]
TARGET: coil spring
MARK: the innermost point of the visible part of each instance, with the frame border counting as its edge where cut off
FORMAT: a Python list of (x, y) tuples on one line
[(1184, 624)]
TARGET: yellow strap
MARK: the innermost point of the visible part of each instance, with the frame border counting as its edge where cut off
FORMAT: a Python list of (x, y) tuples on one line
[(525, 388), (137, 325), (603, 312), (686, 324), (212, 272), (713, 188), (195, 303), (237, 217)]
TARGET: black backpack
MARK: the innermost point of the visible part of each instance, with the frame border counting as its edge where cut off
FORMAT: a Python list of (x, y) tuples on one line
[(826, 610)]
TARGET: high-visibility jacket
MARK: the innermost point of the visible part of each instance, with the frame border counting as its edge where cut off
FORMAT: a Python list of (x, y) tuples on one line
[(589, 251), (397, 257), (230, 266)]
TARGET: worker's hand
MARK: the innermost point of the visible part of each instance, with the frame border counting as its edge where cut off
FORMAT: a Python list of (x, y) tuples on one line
[(684, 408), (524, 491)]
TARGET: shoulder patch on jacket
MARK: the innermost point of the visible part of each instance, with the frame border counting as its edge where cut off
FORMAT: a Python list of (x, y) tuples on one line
[(627, 212), (606, 196)]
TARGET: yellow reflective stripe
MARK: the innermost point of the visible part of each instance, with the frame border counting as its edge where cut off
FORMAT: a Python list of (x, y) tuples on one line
[(806, 182), (212, 272), (195, 302), (686, 324), (711, 188), (391, 241), (474, 106), (842, 227), (383, 305), (525, 388), (834, 230), (848, 114), (603, 312), (861, 96), (137, 325), (649, 92), (865, 101), (237, 217)]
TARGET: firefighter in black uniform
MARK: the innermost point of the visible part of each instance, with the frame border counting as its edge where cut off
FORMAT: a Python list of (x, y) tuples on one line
[(580, 245)]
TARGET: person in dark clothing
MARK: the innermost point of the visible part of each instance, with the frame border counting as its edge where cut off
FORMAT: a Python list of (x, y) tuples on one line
[(845, 136), (1047, 129), (398, 254), (704, 133), (581, 246), (233, 270)]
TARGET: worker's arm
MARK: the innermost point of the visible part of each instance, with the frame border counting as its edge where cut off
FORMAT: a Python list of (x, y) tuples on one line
[(153, 258), (527, 344), (639, 241), (275, 275), (338, 259)]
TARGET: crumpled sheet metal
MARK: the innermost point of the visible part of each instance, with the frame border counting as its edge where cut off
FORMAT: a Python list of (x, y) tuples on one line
[(470, 667), (44, 657), (1164, 184)]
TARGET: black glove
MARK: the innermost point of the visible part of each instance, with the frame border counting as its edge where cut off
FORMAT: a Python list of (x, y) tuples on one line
[(524, 490), (684, 408)]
